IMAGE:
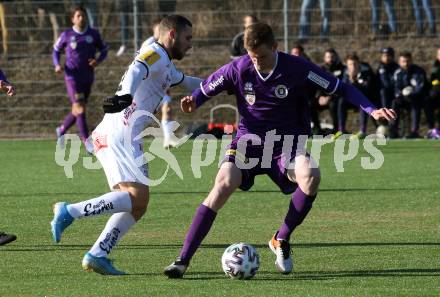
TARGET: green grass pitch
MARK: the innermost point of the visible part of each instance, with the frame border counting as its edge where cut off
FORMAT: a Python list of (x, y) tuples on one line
[(370, 233)]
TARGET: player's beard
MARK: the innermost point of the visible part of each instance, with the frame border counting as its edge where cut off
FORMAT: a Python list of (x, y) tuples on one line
[(176, 51)]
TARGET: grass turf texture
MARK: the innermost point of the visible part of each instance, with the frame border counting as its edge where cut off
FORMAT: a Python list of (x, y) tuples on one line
[(370, 233)]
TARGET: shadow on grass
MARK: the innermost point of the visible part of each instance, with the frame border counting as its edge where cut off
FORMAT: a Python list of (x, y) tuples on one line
[(252, 192), (321, 275), (75, 247)]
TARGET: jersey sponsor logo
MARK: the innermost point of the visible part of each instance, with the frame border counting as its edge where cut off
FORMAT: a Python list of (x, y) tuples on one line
[(128, 112), (89, 39), (150, 57), (281, 91), (320, 81), (337, 72), (216, 83)]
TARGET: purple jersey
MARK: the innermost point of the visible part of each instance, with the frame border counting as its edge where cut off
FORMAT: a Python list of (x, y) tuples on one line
[(278, 100), (79, 48), (3, 76)]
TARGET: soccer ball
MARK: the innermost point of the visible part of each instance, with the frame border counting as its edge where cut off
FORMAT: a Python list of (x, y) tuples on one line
[(240, 261)]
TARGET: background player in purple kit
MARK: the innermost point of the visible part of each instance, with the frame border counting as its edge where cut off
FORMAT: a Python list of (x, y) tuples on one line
[(9, 89), (272, 89), (80, 44)]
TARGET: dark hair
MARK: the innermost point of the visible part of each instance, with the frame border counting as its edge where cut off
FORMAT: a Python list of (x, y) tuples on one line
[(352, 57), (252, 16), (174, 21), (298, 46), (406, 55), (74, 9), (331, 51), (258, 34)]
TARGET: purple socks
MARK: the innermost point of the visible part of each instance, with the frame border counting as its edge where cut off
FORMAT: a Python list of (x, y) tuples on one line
[(299, 207), (80, 120), (82, 126), (68, 122), (200, 226)]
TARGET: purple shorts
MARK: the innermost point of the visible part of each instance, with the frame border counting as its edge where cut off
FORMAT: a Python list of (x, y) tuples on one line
[(78, 91), (274, 166)]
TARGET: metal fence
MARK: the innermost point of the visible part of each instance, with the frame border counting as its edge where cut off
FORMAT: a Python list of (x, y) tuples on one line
[(29, 29)]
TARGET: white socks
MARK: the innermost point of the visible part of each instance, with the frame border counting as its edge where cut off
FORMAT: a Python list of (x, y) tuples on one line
[(166, 128), (117, 226), (112, 202)]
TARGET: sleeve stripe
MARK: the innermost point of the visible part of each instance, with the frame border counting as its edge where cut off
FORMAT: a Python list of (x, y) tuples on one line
[(183, 77), (203, 91), (336, 87), (146, 67)]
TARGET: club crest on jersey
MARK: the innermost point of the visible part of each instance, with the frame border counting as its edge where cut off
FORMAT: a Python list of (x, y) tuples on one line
[(250, 99), (281, 91), (73, 42), (89, 39), (249, 93)]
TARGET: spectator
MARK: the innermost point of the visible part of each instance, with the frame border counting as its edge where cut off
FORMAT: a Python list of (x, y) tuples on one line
[(375, 16), (298, 50), (42, 8), (409, 93), (237, 45), (433, 101), (417, 6), (360, 75), (332, 64), (4, 28), (385, 72), (304, 20), (125, 9)]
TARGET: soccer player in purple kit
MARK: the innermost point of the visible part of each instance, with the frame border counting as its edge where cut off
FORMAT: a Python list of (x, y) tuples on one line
[(80, 44), (9, 89), (272, 89)]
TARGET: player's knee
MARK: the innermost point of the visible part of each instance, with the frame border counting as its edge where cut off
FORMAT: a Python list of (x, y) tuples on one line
[(308, 179), (225, 184)]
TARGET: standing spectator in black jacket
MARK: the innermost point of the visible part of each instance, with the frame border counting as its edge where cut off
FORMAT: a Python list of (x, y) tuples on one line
[(237, 45), (432, 106), (410, 91), (332, 64), (360, 75)]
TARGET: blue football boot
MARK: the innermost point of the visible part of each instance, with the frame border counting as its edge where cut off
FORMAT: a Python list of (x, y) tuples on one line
[(61, 220)]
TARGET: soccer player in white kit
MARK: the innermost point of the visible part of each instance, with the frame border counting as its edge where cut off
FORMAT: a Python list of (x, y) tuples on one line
[(118, 149)]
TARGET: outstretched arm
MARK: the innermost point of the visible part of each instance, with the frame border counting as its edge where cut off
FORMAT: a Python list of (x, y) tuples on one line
[(354, 96)]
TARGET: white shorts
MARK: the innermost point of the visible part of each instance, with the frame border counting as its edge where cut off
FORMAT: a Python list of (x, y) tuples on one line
[(122, 161)]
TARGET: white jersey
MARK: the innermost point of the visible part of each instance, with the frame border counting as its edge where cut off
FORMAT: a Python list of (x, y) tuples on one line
[(117, 140), (147, 79)]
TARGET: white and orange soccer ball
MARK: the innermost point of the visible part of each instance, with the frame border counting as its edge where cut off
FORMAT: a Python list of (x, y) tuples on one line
[(240, 261)]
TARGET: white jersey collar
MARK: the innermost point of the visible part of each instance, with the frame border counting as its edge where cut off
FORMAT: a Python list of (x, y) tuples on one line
[(80, 32), (271, 72)]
